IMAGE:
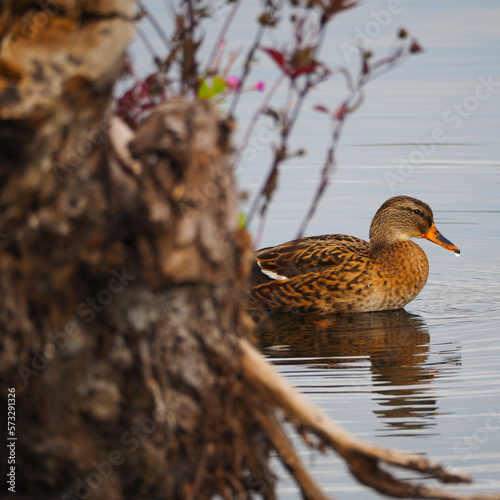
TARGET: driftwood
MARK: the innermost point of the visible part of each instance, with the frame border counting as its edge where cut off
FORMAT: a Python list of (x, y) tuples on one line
[(123, 276)]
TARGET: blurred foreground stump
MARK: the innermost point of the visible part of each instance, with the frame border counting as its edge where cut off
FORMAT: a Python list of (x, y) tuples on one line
[(121, 279)]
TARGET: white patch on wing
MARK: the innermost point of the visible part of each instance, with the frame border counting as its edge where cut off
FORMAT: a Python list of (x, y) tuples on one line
[(271, 274)]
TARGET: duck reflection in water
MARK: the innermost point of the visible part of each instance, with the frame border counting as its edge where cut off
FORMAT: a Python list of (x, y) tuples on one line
[(395, 342)]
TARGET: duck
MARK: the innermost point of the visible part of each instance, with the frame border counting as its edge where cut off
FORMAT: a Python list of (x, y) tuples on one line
[(337, 273)]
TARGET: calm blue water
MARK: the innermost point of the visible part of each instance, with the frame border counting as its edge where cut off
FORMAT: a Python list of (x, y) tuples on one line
[(428, 381)]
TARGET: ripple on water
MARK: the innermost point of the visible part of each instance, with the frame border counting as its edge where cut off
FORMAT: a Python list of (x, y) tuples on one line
[(474, 296)]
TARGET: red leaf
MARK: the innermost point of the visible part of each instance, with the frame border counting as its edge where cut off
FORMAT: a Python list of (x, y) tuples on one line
[(141, 97), (277, 57), (280, 59), (304, 70), (341, 112), (321, 109)]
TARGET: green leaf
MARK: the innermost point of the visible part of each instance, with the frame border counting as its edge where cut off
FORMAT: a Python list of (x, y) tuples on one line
[(242, 220), (219, 85), (204, 91)]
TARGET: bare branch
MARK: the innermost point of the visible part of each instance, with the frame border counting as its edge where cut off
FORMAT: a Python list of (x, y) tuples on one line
[(365, 460)]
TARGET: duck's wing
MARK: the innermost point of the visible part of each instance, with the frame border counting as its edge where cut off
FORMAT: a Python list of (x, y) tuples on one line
[(310, 254)]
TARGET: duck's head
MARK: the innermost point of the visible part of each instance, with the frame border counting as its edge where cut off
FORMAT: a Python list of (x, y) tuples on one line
[(401, 218)]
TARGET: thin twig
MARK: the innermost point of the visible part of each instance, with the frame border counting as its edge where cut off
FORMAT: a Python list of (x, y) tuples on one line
[(329, 166), (222, 35), (250, 55), (260, 229), (351, 103), (255, 118), (145, 40), (246, 70), (280, 154), (156, 25)]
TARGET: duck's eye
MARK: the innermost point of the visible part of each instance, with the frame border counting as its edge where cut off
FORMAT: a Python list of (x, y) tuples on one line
[(418, 212)]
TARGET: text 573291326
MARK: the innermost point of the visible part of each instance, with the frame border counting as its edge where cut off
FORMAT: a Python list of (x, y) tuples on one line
[(11, 440)]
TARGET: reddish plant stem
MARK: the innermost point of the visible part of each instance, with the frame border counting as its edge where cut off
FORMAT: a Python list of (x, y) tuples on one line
[(222, 35), (352, 102), (246, 70), (249, 59), (279, 155), (255, 118)]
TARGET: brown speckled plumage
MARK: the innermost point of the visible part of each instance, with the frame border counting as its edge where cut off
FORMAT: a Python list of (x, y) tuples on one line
[(339, 273)]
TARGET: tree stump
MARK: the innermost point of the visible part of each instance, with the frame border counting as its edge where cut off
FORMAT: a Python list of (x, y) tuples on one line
[(121, 279)]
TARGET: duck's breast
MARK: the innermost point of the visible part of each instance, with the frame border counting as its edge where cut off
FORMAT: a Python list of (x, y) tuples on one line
[(401, 273)]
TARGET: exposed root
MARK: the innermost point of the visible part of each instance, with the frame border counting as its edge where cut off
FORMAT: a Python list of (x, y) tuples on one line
[(364, 459), (282, 445)]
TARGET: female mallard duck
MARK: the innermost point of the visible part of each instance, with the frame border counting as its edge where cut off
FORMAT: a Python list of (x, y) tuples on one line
[(336, 273)]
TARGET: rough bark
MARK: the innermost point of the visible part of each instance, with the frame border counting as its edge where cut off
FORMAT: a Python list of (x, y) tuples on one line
[(121, 282)]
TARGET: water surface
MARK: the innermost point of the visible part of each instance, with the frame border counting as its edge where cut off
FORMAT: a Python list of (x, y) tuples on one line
[(426, 379)]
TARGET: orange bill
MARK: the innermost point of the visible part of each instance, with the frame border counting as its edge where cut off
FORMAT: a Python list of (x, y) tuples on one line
[(436, 237)]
